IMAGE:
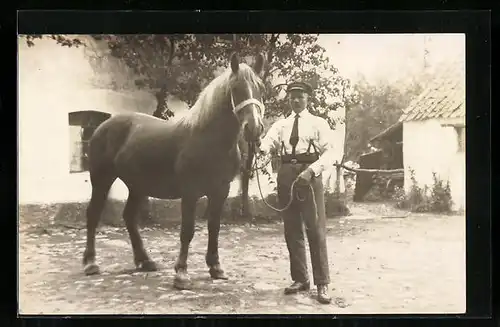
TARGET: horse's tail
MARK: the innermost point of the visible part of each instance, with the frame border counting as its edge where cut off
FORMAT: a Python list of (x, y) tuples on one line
[(104, 145)]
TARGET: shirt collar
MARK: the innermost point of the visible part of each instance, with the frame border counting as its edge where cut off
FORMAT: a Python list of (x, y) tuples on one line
[(303, 114)]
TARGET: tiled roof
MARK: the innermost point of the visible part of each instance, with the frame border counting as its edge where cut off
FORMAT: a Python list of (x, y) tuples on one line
[(444, 97)]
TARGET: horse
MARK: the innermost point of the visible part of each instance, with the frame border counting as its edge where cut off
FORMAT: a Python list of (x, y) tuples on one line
[(186, 158)]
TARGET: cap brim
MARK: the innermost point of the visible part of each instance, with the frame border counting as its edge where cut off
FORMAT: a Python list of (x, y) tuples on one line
[(297, 89)]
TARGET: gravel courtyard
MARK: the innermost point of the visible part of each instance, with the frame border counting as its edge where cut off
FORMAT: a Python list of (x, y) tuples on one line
[(378, 265)]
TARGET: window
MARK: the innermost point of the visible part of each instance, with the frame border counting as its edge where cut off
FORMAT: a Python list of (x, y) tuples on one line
[(460, 138), (82, 125)]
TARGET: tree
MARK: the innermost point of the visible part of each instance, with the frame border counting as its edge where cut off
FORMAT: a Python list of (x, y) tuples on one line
[(180, 65), (378, 107)]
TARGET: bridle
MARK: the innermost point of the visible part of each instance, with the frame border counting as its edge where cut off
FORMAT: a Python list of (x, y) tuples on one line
[(244, 103)]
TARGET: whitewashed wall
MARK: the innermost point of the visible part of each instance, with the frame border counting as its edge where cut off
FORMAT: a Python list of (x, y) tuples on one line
[(430, 147), (53, 81), (56, 80)]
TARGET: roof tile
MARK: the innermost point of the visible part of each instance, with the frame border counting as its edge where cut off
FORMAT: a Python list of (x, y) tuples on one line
[(444, 97)]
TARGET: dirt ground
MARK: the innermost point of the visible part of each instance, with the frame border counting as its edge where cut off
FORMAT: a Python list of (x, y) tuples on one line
[(413, 264)]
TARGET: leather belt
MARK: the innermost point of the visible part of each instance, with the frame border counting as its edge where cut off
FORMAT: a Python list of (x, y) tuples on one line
[(301, 158)]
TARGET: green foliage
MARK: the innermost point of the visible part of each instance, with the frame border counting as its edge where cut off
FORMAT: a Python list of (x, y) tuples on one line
[(441, 200), (299, 57), (419, 199), (377, 108), (181, 64), (399, 196), (60, 39)]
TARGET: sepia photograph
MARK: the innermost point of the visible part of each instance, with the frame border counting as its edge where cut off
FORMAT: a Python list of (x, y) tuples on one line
[(241, 174)]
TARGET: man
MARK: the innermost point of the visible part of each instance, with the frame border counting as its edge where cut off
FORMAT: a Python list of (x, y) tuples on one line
[(306, 146)]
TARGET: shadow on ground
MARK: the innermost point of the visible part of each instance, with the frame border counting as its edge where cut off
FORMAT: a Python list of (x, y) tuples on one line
[(392, 265)]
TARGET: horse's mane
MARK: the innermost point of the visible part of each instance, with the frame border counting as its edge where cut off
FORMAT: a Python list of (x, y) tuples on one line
[(215, 96)]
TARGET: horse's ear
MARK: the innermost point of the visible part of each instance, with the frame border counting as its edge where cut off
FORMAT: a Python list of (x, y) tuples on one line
[(235, 62), (260, 62)]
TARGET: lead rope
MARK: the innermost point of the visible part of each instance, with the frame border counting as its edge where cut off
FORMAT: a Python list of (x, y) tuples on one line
[(291, 195)]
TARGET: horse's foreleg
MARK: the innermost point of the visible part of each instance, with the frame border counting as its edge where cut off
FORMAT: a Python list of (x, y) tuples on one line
[(246, 174), (245, 204), (130, 215), (215, 206), (182, 280)]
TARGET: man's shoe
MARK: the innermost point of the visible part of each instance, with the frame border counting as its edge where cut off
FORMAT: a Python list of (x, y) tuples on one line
[(297, 287), (323, 294)]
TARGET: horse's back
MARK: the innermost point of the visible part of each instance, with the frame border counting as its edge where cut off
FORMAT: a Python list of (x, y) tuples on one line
[(130, 119), (121, 124), (112, 134)]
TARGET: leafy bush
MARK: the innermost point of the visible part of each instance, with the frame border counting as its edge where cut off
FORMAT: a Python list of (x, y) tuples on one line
[(424, 199), (441, 200)]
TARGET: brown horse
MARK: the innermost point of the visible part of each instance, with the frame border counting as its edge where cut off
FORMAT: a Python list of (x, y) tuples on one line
[(185, 158)]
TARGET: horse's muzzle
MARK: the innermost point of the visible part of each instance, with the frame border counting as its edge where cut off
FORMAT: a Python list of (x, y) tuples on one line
[(252, 133)]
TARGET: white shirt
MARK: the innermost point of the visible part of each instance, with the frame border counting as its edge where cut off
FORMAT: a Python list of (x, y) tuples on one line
[(311, 127)]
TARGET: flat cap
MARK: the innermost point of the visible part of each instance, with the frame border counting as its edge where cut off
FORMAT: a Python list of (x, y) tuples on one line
[(302, 86)]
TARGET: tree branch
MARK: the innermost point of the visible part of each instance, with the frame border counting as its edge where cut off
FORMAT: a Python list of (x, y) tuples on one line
[(270, 53), (172, 51)]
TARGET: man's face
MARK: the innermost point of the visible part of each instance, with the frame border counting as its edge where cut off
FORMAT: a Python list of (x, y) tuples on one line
[(298, 100)]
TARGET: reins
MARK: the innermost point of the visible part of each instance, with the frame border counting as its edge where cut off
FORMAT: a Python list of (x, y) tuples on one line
[(291, 197), (287, 206)]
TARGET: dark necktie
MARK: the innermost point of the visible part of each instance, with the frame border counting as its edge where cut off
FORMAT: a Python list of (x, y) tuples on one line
[(294, 136)]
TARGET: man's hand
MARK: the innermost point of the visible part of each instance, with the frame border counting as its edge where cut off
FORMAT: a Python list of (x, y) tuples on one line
[(257, 148), (305, 177)]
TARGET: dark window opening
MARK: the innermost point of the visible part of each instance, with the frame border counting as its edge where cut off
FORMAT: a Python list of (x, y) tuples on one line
[(82, 125)]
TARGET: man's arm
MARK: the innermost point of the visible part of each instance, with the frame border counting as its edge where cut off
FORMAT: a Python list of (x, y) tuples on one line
[(271, 140), (332, 149)]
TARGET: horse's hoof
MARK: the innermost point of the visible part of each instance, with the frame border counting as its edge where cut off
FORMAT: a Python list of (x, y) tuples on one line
[(147, 266), (91, 269), (182, 282), (217, 273)]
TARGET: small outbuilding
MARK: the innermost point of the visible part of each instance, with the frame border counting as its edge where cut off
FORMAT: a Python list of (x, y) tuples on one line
[(434, 132)]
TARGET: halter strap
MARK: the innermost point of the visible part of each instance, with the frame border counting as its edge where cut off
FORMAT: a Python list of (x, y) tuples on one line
[(245, 103)]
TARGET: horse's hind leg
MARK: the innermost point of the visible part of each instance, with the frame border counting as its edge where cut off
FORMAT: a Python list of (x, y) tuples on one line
[(100, 189), (216, 202), (130, 214)]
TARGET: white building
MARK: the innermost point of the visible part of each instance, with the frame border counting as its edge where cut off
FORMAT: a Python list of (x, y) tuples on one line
[(62, 96), (434, 132)]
